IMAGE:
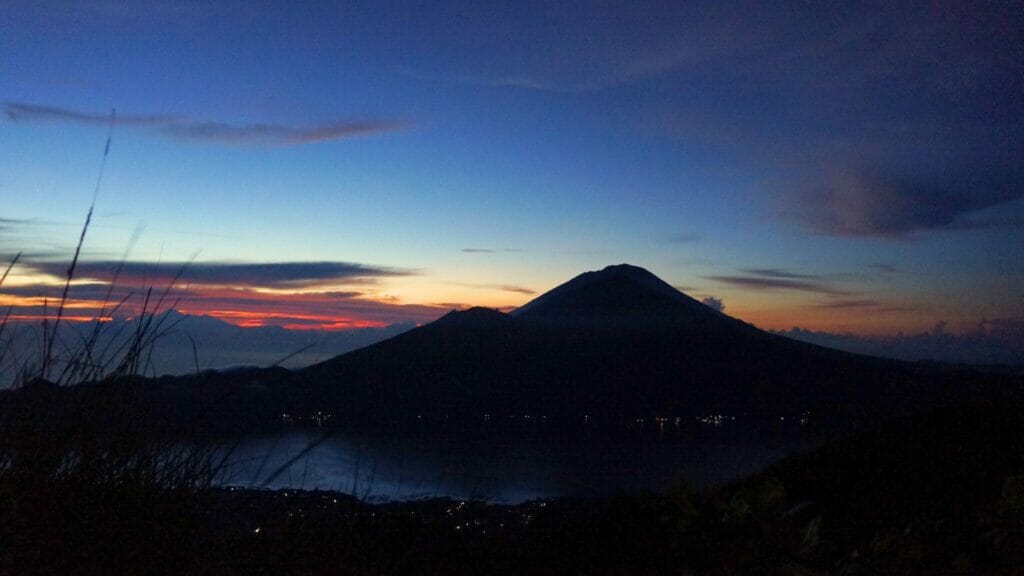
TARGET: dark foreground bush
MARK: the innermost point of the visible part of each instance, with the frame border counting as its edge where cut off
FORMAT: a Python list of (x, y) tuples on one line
[(936, 495)]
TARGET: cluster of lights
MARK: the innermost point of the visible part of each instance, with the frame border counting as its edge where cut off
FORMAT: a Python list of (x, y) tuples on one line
[(715, 420), (320, 418), (528, 417), (661, 421)]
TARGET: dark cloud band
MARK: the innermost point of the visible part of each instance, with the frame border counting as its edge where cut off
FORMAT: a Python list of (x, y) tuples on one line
[(213, 132), (267, 275)]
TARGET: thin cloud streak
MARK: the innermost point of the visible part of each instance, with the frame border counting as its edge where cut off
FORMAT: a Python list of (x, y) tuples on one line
[(779, 279), (274, 135), (501, 287), (762, 283), (179, 128), (516, 289), (778, 273), (22, 112), (845, 304)]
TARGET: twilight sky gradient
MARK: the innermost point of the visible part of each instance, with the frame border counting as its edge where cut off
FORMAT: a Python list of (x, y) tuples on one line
[(854, 168)]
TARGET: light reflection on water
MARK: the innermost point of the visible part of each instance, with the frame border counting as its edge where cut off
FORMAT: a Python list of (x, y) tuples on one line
[(509, 471)]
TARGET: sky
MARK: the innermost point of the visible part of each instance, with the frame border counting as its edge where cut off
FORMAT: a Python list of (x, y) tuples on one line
[(850, 168)]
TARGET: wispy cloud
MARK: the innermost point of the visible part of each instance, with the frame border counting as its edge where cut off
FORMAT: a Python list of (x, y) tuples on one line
[(179, 128), (516, 289), (274, 135), (760, 283), (22, 112), (777, 273), (886, 205), (844, 304), (777, 279), (500, 287)]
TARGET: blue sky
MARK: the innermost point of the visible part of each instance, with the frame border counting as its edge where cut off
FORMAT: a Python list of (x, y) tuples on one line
[(845, 169)]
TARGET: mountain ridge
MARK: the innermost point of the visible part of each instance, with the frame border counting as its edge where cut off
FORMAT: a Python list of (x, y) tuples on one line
[(618, 342)]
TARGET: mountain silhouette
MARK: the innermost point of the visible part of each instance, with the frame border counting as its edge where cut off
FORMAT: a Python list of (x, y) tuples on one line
[(618, 344), (622, 295)]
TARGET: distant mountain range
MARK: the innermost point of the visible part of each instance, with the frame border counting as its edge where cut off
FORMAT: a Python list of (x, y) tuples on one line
[(218, 345)]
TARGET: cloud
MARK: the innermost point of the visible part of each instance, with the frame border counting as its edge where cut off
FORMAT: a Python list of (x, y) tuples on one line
[(864, 305), (777, 273), (517, 289), (777, 279), (206, 131), (713, 303), (999, 341), (263, 274), (273, 135), (761, 283), (16, 233), (285, 294), (883, 204), (13, 222), (595, 47), (452, 305), (501, 287), (22, 112)]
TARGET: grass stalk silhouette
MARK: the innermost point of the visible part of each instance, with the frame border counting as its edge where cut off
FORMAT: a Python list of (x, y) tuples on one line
[(72, 417)]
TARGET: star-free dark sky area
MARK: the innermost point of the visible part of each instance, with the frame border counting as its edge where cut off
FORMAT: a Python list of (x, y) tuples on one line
[(844, 168)]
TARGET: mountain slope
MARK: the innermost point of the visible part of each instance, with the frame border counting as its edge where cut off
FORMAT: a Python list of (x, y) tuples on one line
[(617, 343)]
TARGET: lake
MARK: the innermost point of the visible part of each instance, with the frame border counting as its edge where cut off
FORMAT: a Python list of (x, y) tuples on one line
[(493, 468)]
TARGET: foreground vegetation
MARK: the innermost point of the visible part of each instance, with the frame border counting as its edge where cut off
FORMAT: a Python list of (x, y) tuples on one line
[(936, 494)]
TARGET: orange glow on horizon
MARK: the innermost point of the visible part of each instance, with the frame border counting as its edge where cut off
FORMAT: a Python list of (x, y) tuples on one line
[(40, 301), (53, 317)]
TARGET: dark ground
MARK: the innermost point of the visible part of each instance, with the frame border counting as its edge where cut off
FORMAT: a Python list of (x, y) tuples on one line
[(936, 494)]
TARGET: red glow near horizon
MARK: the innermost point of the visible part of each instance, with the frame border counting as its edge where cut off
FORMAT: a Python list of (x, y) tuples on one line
[(251, 319), (243, 307)]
